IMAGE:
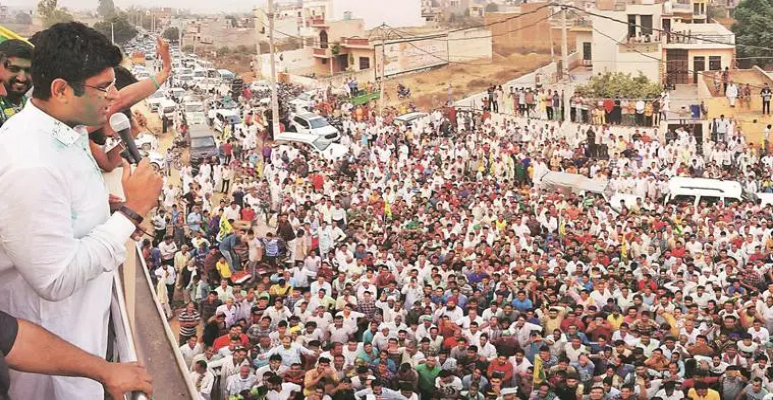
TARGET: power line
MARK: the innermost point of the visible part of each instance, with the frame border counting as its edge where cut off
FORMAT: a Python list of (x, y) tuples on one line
[(688, 71), (667, 32)]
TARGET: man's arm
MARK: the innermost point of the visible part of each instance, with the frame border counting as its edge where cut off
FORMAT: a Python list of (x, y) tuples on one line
[(31, 348)]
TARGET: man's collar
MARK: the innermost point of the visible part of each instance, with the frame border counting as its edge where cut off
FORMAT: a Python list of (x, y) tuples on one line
[(59, 130)]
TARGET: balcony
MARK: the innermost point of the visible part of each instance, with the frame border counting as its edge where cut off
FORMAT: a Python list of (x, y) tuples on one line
[(140, 331), (714, 39), (323, 52), (360, 43), (317, 22)]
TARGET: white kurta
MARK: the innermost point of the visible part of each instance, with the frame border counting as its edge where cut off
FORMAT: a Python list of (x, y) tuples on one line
[(59, 245)]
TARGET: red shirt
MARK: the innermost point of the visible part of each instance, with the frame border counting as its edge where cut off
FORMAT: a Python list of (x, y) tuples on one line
[(228, 149), (506, 369), (248, 214), (225, 340)]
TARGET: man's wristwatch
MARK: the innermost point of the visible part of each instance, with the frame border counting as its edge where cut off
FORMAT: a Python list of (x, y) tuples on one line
[(133, 216)]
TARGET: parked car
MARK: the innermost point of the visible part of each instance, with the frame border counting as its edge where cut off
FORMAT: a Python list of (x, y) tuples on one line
[(304, 102), (313, 124), (157, 161), (203, 145), (326, 148), (146, 141), (194, 113), (154, 100), (224, 118), (408, 119)]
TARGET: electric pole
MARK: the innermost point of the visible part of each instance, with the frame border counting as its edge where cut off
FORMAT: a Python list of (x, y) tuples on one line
[(112, 33), (272, 50), (565, 65), (382, 94)]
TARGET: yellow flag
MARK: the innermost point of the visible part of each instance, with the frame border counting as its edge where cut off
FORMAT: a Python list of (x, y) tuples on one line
[(624, 249), (225, 228), (387, 209)]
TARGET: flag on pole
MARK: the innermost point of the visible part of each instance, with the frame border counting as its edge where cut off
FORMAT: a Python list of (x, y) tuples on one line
[(7, 34), (387, 209), (225, 228)]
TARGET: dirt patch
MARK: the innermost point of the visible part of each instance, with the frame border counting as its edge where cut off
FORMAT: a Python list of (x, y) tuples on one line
[(430, 89)]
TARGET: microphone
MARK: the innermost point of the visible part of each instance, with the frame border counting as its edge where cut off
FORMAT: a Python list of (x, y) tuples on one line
[(120, 123)]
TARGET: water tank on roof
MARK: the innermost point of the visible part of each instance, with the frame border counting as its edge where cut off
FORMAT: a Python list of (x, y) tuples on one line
[(347, 15)]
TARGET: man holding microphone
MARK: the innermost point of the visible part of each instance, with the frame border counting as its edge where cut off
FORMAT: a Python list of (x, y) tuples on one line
[(59, 245)]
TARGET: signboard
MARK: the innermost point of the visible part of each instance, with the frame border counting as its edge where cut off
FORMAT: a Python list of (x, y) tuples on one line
[(412, 54)]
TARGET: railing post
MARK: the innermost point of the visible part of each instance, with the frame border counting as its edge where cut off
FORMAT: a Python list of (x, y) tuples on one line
[(129, 283)]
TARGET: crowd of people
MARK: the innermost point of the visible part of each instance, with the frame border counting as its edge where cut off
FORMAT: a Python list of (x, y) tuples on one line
[(433, 262)]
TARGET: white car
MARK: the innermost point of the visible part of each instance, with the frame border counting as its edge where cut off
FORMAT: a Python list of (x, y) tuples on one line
[(313, 124), (154, 100), (224, 118), (260, 86), (157, 161), (323, 147), (194, 113), (167, 108), (146, 141), (305, 101)]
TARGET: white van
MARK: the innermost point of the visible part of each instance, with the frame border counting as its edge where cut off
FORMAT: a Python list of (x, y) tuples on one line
[(319, 145), (194, 113), (167, 108), (225, 118), (697, 190), (226, 75)]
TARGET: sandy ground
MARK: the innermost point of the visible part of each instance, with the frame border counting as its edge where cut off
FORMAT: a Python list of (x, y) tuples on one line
[(430, 89)]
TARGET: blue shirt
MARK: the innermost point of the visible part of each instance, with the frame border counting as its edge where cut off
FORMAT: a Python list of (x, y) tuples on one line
[(522, 305)]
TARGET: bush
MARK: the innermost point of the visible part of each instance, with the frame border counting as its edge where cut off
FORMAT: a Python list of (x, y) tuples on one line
[(619, 84), (224, 51)]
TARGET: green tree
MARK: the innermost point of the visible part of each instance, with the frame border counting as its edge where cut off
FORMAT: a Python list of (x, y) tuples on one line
[(119, 26), (51, 14), (106, 8), (171, 34), (23, 18), (224, 51), (753, 28), (619, 84), (492, 7)]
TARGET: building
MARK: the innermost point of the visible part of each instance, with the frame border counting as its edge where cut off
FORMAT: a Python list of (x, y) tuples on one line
[(530, 27), (345, 45), (668, 43), (287, 24)]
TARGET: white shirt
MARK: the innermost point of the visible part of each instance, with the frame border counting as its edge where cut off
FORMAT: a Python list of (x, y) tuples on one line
[(287, 389), (59, 245), (205, 387)]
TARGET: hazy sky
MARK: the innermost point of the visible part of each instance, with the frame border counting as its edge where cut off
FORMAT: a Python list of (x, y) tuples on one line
[(213, 6)]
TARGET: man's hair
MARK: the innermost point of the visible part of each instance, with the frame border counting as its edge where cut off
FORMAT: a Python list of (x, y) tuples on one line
[(16, 48), (70, 51)]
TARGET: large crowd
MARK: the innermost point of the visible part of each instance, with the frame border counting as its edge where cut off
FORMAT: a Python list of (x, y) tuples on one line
[(434, 263), (435, 260)]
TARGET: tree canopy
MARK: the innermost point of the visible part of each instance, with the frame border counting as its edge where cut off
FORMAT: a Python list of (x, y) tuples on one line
[(619, 84), (753, 28), (51, 14), (123, 30), (106, 8), (492, 7), (23, 18), (171, 34)]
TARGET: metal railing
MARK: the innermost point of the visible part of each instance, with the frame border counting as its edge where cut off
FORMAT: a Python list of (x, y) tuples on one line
[(140, 331)]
